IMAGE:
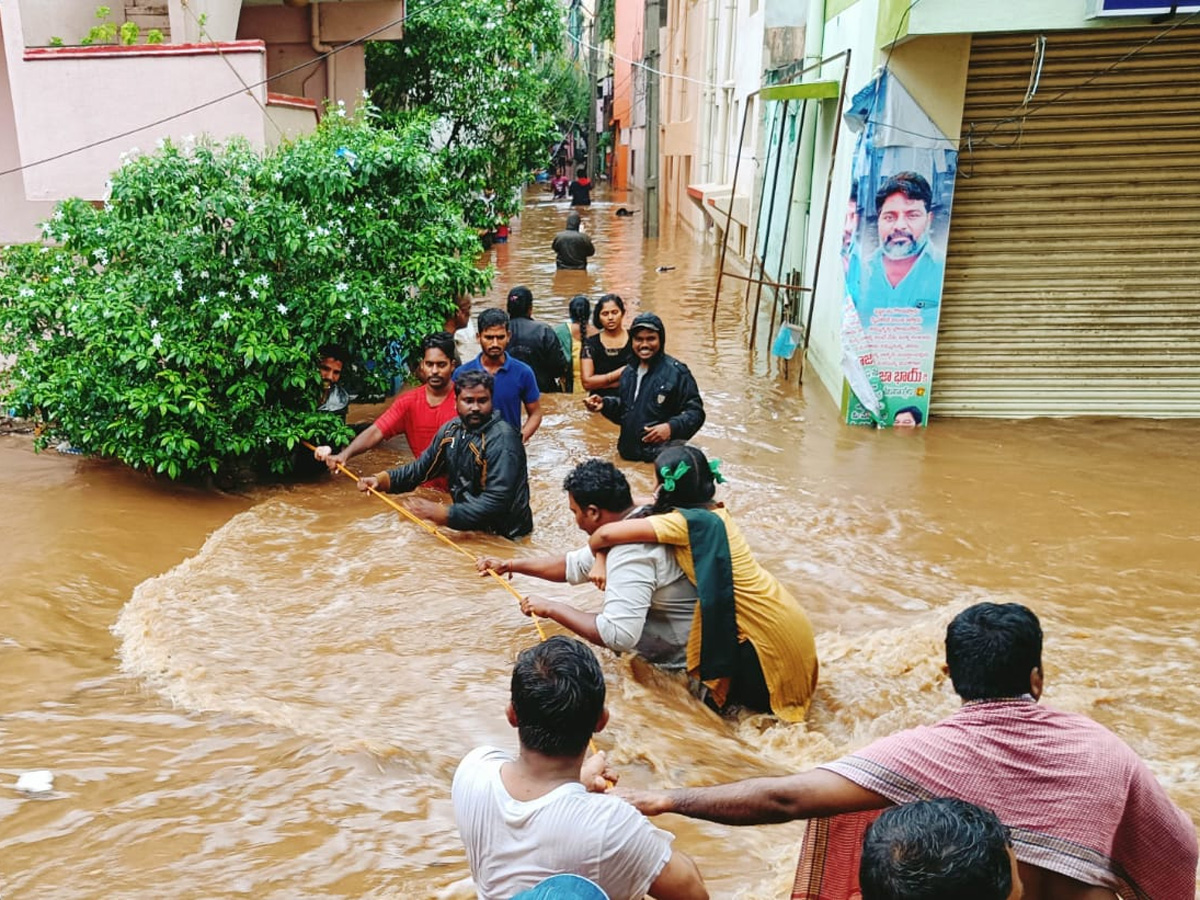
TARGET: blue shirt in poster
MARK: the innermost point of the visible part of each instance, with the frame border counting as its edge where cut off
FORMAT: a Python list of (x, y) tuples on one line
[(920, 289), (515, 384)]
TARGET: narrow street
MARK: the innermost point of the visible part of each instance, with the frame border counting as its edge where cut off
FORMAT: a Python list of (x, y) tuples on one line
[(267, 695)]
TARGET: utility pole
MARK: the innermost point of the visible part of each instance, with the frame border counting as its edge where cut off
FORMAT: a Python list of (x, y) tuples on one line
[(650, 68), (591, 82)]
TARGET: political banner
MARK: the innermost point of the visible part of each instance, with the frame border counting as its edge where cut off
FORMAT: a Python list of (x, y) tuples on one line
[(894, 234)]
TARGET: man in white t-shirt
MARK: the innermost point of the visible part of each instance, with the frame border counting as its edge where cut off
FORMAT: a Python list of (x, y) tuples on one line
[(648, 601), (544, 813)]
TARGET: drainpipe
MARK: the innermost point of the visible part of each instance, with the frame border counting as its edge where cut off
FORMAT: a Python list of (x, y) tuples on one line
[(314, 20), (728, 120), (709, 98)]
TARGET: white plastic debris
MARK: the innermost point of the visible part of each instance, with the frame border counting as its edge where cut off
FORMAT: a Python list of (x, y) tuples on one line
[(40, 781)]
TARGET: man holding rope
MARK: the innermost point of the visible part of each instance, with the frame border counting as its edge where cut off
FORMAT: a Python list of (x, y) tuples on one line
[(648, 600), (483, 458), (543, 812)]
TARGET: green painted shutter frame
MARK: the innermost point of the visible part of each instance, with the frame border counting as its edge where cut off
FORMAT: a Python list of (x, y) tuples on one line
[(1073, 268)]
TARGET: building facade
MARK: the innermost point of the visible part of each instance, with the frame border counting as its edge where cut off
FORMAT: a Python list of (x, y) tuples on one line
[(1057, 144), (1072, 248), (70, 107)]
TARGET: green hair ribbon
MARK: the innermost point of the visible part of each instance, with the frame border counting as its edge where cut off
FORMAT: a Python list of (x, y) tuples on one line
[(714, 466), (669, 478)]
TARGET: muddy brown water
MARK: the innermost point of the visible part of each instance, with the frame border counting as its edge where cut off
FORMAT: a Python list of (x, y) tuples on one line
[(267, 695)]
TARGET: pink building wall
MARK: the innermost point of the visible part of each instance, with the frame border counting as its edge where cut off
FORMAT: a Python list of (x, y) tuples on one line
[(627, 45)]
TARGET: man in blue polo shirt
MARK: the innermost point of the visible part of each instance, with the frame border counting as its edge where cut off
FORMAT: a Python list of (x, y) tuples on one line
[(515, 383)]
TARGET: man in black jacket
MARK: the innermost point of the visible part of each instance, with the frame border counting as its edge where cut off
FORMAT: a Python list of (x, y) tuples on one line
[(535, 343), (571, 246), (483, 458), (657, 400)]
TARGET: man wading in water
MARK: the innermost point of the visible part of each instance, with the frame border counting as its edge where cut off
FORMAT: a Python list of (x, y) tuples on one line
[(483, 458), (526, 819), (1087, 817)]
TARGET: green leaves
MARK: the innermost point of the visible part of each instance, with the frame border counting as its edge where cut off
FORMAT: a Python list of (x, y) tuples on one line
[(177, 328), (479, 67)]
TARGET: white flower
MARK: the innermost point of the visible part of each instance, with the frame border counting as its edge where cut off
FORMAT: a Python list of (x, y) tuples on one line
[(262, 280), (347, 315), (282, 309), (341, 110), (366, 95), (69, 280), (278, 176), (221, 294), (341, 287), (26, 292), (55, 270), (204, 273), (225, 316), (156, 340), (47, 229), (58, 215), (203, 299), (154, 323), (365, 311), (253, 294)]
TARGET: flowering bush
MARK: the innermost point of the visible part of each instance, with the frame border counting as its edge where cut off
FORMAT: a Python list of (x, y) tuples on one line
[(177, 327)]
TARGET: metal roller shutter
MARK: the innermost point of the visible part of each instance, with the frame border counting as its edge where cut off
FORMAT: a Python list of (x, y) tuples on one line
[(1073, 266)]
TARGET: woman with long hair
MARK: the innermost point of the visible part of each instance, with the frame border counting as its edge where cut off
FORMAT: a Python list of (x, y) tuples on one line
[(751, 643), (605, 355), (571, 335)]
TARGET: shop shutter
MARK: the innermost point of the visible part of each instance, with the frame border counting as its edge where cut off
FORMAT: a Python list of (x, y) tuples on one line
[(1073, 265)]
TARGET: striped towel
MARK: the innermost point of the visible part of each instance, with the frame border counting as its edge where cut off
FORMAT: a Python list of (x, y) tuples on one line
[(828, 868), (1076, 799)]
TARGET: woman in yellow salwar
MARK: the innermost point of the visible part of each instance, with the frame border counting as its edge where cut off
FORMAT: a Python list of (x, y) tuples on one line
[(751, 643)]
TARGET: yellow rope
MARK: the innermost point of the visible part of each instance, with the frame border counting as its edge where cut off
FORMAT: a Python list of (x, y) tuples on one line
[(441, 537), (437, 534)]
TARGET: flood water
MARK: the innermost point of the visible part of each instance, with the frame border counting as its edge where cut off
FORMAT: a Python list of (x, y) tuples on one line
[(266, 696)]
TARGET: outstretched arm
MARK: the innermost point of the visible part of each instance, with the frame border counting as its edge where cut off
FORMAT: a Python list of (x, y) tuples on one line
[(548, 568), (363, 442), (762, 801), (578, 621)]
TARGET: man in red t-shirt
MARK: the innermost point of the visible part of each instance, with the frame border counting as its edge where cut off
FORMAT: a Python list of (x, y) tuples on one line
[(417, 414)]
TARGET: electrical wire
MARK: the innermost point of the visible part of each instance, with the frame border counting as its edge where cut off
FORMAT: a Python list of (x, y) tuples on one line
[(162, 121), (637, 64)]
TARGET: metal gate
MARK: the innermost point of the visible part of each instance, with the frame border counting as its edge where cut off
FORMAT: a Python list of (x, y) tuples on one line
[(1072, 281)]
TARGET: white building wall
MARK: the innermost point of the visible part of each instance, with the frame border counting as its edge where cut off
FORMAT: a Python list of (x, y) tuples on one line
[(853, 29), (18, 217)]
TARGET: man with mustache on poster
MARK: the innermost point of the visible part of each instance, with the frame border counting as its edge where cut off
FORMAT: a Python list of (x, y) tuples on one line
[(905, 271)]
